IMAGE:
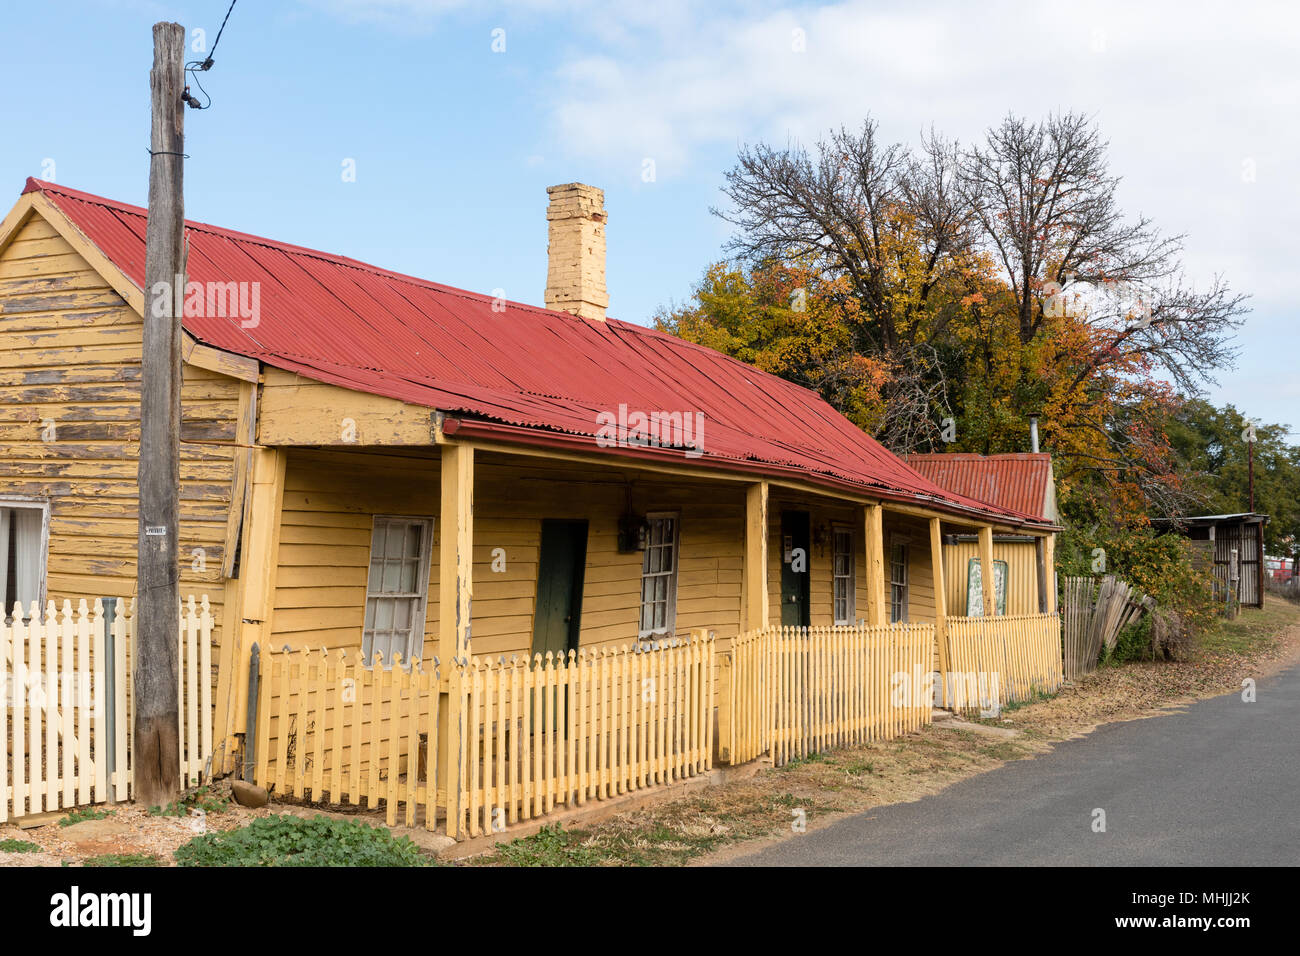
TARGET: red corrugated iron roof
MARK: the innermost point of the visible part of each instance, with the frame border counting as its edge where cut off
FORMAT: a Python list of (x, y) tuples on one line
[(519, 372), (1018, 482)]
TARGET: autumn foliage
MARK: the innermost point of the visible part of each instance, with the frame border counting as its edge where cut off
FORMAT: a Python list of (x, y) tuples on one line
[(939, 297)]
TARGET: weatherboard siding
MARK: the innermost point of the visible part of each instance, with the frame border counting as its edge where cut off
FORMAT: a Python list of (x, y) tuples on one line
[(331, 498), (70, 424), (1022, 574)]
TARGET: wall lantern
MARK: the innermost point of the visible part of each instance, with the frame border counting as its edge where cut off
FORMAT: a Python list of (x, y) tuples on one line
[(633, 533)]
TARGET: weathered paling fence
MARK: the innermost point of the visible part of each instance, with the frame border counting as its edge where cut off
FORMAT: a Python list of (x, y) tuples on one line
[(588, 726), (526, 734), (1079, 653), (1010, 658), (792, 691), (332, 730), (1095, 613), (66, 682)]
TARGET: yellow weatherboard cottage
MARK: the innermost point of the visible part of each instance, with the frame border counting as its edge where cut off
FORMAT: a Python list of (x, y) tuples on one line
[(449, 568)]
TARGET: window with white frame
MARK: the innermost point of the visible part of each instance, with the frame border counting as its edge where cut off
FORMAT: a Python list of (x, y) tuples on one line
[(897, 580), (397, 589), (843, 583), (659, 577), (24, 541)]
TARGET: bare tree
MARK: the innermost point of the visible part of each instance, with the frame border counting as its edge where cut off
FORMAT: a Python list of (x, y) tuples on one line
[(887, 220), (835, 206), (1045, 200)]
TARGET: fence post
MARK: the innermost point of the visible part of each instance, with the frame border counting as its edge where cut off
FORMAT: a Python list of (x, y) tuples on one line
[(453, 768), (110, 696), (726, 718), (250, 726)]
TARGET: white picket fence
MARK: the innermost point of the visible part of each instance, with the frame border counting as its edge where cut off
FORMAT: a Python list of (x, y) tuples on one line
[(67, 715)]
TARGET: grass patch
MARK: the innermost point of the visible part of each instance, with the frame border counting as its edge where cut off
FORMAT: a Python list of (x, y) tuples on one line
[(818, 756), (18, 846), (1252, 629), (1035, 695), (550, 846), (283, 840), (201, 799), (83, 814), (671, 834), (123, 859), (1003, 750)]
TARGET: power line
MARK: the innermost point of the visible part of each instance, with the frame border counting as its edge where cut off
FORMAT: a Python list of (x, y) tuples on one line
[(195, 67), (208, 62)]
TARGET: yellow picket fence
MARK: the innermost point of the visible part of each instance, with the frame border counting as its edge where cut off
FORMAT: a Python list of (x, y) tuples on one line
[(588, 726), (1010, 658), (792, 691), (525, 735), (331, 729), (65, 710)]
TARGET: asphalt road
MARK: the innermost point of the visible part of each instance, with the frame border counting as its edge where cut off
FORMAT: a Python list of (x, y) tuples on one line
[(1216, 785)]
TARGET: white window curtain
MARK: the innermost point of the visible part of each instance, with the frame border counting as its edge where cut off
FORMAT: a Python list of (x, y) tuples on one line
[(22, 542)]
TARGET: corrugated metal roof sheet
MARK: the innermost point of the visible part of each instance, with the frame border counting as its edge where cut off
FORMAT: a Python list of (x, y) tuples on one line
[(341, 321), (1019, 482)]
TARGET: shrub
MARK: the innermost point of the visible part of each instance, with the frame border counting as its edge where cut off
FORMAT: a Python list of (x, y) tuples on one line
[(1159, 565), (1132, 644), (18, 846), (200, 799), (282, 840)]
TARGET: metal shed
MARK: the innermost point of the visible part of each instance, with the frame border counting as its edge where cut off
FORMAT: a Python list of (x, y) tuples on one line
[(1235, 545)]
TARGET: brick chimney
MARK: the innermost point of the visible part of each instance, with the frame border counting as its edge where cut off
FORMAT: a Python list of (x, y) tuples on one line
[(575, 276)]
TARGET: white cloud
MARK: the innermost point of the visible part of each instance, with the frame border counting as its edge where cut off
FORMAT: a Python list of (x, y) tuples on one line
[(1186, 93)]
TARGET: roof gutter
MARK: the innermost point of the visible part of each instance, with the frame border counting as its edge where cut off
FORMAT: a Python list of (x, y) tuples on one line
[(522, 435)]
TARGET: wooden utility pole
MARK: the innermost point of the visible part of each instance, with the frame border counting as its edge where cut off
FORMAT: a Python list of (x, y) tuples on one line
[(156, 759), (1250, 470)]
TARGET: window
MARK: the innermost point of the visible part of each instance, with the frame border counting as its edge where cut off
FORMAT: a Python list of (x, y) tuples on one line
[(975, 592), (843, 583), (897, 581), (24, 538), (397, 590), (659, 577)]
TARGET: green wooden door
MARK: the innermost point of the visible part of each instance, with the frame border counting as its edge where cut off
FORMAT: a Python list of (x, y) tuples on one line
[(559, 586), (795, 578)]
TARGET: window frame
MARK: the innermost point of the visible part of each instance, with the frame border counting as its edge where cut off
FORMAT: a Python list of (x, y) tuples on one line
[(670, 610), (850, 578), (414, 647), (31, 503), (904, 542)]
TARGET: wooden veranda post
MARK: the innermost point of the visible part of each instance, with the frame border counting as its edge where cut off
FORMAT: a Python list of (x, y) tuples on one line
[(875, 551), (987, 588), (940, 597), (156, 759), (260, 563), (755, 568), (455, 607), (1049, 571)]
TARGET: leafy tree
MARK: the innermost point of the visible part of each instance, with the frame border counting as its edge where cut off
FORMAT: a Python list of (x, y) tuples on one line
[(1210, 443)]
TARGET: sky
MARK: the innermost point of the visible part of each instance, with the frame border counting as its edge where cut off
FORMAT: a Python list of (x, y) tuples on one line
[(456, 116)]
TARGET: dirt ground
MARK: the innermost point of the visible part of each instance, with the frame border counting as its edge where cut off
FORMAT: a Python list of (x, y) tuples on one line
[(719, 823)]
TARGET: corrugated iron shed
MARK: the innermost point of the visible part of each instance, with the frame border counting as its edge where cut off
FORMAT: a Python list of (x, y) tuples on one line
[(518, 372), (1019, 482)]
